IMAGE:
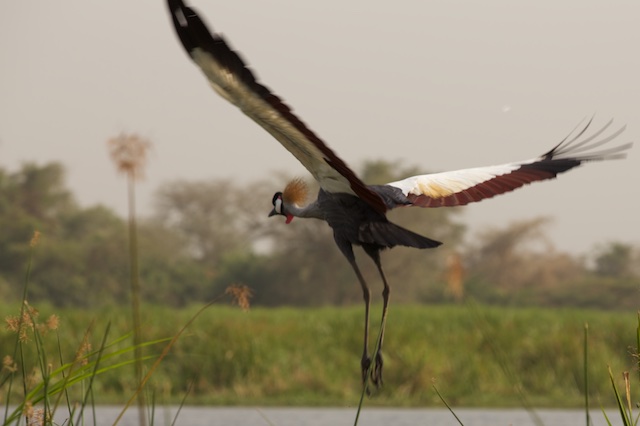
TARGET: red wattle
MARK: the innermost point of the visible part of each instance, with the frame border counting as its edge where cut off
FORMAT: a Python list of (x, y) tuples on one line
[(289, 219)]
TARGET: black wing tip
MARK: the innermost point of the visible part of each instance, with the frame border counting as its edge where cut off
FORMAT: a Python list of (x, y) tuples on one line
[(179, 15), (194, 34), (577, 146), (190, 28)]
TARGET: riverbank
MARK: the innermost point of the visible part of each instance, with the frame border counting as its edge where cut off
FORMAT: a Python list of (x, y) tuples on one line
[(476, 356)]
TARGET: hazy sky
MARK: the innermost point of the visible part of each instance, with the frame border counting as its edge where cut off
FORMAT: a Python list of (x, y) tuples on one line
[(439, 84)]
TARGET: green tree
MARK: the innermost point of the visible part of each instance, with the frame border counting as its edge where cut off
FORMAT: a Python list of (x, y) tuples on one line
[(83, 264), (215, 222), (168, 272), (614, 260), (206, 214), (518, 264), (31, 198), (80, 260), (40, 192)]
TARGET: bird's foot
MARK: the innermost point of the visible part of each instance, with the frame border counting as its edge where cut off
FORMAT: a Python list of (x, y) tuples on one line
[(376, 372), (366, 365)]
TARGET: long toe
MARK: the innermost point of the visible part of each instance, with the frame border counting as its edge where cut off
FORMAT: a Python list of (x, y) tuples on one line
[(376, 373), (366, 364)]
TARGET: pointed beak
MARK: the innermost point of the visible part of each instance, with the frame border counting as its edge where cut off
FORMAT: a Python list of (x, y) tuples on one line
[(272, 212)]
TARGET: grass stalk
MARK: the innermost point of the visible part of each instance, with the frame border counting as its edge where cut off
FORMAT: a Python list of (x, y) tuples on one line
[(18, 343), (164, 353), (625, 406), (93, 374), (129, 153), (182, 402), (135, 296), (638, 347), (585, 365), (624, 415), (446, 404), (83, 371)]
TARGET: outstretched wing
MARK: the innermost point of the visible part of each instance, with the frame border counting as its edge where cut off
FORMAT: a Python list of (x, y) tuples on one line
[(230, 77), (461, 187)]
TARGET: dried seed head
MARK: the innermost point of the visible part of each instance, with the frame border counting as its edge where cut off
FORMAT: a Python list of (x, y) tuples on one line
[(83, 351), (240, 294), (129, 154), (49, 325), (21, 325), (9, 364), (34, 239), (13, 323), (52, 322), (37, 418), (27, 410)]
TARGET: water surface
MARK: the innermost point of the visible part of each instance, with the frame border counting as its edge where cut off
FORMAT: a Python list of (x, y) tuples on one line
[(258, 416)]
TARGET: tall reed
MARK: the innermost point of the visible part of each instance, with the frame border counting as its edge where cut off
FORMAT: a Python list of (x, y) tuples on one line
[(129, 154)]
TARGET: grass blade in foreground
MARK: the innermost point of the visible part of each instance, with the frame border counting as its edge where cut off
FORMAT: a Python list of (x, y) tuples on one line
[(164, 353), (446, 404), (624, 415), (586, 374)]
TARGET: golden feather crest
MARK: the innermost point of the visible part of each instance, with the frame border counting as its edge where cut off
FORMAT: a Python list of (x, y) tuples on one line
[(296, 192)]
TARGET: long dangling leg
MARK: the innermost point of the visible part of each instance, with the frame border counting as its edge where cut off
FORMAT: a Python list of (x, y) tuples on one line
[(366, 360), (365, 363), (376, 373)]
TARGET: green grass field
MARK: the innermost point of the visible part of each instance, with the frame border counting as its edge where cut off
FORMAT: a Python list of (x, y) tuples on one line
[(475, 355)]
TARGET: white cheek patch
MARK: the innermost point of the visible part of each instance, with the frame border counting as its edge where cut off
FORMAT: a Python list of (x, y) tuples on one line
[(278, 205)]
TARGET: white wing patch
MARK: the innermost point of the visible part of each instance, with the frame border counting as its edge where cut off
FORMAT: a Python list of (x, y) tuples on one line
[(445, 184)]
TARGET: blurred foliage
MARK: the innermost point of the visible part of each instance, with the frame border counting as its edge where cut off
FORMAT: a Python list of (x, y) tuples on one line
[(204, 236), (478, 355)]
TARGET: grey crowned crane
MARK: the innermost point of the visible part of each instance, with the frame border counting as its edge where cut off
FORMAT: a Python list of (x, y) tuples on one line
[(355, 211)]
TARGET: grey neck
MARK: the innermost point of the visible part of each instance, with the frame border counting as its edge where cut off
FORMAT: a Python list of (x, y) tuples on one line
[(310, 210)]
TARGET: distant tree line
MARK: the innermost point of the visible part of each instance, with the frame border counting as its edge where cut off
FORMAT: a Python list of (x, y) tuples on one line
[(204, 236)]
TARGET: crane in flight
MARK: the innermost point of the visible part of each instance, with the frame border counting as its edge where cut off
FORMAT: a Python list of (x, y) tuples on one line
[(355, 211)]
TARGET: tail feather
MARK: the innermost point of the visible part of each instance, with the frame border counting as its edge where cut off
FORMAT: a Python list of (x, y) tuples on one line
[(389, 234)]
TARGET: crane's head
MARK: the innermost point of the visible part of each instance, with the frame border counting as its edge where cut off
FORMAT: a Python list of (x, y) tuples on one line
[(285, 203), (278, 207)]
